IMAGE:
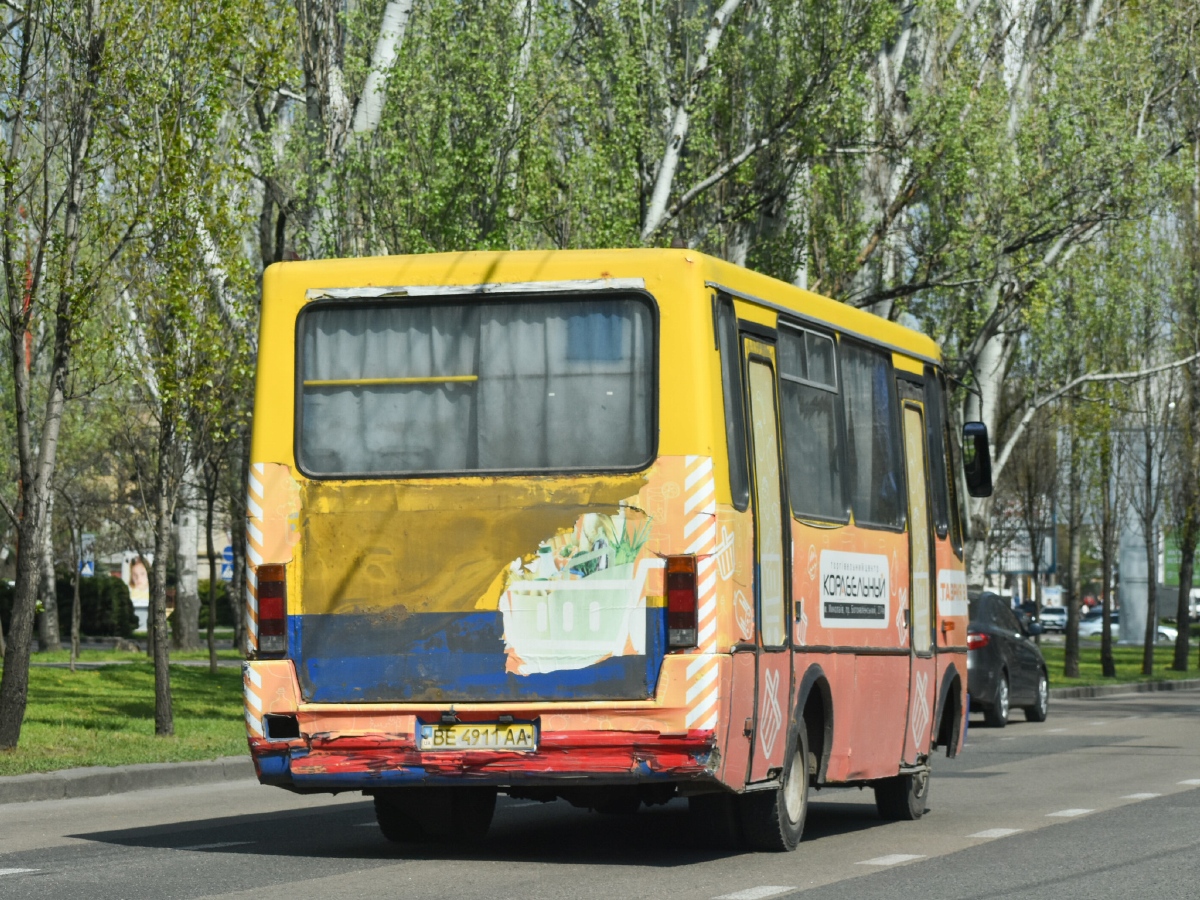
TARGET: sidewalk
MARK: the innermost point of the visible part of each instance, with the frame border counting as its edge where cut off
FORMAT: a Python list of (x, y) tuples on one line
[(96, 781)]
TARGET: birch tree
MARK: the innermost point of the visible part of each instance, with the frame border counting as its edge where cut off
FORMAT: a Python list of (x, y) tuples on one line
[(56, 75)]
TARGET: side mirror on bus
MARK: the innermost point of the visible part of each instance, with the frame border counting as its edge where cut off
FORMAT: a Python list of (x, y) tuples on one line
[(977, 459)]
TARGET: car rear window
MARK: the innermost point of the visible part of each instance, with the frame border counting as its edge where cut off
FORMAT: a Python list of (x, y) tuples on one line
[(525, 385)]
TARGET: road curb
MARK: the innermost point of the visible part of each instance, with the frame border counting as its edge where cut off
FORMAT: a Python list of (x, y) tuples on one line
[(96, 781), (1132, 687)]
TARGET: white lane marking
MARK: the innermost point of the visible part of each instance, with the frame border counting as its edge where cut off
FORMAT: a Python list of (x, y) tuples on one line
[(756, 893), (365, 824), (1097, 723), (1008, 739), (891, 859), (995, 833), (1055, 730), (215, 846), (1068, 813), (1140, 796), (1191, 781), (523, 804), (17, 871)]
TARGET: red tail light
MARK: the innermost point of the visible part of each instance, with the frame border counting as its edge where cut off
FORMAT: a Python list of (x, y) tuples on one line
[(975, 640), (272, 610), (681, 602)]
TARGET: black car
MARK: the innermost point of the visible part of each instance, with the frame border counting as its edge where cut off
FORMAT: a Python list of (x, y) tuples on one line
[(1005, 667)]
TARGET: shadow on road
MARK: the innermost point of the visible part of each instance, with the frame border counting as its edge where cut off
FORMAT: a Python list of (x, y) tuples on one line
[(662, 836)]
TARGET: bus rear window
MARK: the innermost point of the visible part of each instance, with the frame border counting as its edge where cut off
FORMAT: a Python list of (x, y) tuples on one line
[(410, 388)]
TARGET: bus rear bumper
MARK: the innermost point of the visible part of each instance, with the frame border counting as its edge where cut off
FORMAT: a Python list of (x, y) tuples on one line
[(365, 762)]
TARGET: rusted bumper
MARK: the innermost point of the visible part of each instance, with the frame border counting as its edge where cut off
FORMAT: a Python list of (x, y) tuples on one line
[(363, 762)]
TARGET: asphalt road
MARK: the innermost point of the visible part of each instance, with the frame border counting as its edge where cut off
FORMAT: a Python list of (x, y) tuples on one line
[(1101, 801)]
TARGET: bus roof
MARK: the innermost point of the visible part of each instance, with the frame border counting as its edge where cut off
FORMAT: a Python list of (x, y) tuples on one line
[(289, 283)]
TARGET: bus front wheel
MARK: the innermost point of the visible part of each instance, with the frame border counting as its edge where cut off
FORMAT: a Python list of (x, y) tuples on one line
[(774, 820)]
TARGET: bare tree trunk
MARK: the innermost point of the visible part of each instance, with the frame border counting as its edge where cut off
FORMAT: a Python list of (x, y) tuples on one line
[(237, 539), (664, 181), (1074, 534), (76, 607), (164, 721), (36, 472), (1108, 528), (49, 633), (1151, 601), (210, 499), (1187, 563), (185, 632)]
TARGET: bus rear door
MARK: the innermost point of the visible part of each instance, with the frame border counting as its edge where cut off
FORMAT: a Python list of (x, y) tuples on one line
[(773, 677), (923, 678)]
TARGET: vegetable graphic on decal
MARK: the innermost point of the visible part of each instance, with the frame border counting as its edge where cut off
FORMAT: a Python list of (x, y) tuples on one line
[(580, 599)]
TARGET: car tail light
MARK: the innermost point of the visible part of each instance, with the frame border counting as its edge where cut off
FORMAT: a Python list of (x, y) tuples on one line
[(272, 610), (681, 602), (975, 640)]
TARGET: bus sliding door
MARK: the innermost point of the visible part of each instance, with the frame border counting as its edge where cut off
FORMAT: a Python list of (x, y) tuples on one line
[(773, 669), (923, 678)]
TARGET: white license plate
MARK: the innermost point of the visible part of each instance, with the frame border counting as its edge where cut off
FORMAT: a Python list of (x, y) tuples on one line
[(479, 736)]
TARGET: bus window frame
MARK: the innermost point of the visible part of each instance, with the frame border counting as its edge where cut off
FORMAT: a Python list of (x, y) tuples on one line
[(896, 425), (935, 440), (499, 299), (839, 416), (733, 400)]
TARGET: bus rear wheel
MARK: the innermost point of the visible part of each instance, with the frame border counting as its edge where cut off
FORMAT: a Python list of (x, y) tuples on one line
[(774, 820), (451, 815), (902, 797)]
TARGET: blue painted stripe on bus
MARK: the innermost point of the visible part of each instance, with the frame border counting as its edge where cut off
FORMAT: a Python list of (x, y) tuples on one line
[(274, 768), (449, 657)]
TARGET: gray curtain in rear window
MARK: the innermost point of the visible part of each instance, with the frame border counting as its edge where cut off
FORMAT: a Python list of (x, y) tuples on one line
[(560, 384)]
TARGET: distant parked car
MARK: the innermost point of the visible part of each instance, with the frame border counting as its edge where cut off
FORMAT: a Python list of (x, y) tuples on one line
[(1092, 624), (1054, 618), (1005, 667)]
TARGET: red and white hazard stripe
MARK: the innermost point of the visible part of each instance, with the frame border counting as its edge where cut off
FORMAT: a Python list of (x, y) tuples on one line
[(700, 533), (251, 689), (254, 549)]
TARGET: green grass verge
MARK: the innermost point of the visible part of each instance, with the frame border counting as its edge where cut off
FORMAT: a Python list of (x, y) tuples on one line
[(105, 717), (89, 655), (1128, 661)]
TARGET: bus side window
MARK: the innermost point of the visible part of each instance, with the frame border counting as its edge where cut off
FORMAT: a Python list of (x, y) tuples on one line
[(811, 429), (877, 489), (936, 451), (731, 386)]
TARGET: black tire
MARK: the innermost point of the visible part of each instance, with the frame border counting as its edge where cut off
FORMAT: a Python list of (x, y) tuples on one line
[(1040, 709), (901, 798), (450, 815), (774, 820), (716, 821), (995, 714), (396, 820)]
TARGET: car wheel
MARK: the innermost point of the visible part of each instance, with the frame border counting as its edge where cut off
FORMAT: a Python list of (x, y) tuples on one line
[(774, 820), (1041, 709), (902, 797), (996, 715)]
